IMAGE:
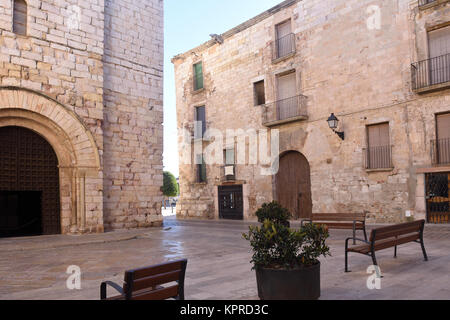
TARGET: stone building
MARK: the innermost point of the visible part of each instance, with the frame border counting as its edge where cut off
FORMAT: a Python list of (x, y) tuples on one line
[(380, 67), (81, 115)]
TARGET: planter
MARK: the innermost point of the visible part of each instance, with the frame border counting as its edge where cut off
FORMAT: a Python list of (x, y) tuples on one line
[(296, 284)]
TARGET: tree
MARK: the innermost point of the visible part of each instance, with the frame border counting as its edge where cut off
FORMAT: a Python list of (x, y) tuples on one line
[(170, 185)]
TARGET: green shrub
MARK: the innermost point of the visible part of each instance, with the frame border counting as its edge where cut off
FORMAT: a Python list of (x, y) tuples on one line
[(277, 246), (274, 212)]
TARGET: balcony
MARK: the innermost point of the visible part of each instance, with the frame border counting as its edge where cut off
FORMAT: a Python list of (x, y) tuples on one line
[(425, 2), (285, 111), (378, 158), (229, 172), (431, 74), (283, 48), (440, 152)]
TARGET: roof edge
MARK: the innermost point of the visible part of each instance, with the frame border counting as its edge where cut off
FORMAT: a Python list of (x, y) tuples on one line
[(243, 26)]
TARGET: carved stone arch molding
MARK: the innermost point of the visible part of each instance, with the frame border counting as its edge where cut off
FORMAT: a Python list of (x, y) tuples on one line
[(80, 171)]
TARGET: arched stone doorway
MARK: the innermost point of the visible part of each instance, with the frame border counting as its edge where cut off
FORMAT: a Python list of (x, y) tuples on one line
[(79, 167), (29, 184), (293, 185)]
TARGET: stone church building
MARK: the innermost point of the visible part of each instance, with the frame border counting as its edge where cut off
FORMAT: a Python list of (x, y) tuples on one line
[(356, 92), (81, 136)]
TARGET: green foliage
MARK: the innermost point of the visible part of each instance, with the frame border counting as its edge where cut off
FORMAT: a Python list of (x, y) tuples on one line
[(277, 246), (274, 212), (170, 185)]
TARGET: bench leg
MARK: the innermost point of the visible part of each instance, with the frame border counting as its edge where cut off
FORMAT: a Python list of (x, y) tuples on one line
[(423, 249), (365, 233), (346, 261), (374, 259), (395, 252)]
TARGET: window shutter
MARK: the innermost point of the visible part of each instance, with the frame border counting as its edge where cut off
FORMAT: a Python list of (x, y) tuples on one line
[(20, 17), (198, 76), (439, 42), (443, 126)]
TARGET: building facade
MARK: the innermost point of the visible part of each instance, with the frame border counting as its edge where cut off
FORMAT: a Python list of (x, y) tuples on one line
[(80, 115), (379, 67)]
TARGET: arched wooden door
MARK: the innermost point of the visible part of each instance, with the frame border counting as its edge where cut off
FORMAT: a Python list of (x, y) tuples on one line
[(29, 184), (293, 185)]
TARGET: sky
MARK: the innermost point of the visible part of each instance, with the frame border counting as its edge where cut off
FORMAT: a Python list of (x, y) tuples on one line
[(187, 24)]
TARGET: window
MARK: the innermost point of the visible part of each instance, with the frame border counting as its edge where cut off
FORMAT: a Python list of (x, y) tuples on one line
[(378, 152), (285, 40), (442, 145), (200, 122), (288, 104), (198, 76), (20, 17), (230, 162), (201, 169), (439, 54), (259, 93)]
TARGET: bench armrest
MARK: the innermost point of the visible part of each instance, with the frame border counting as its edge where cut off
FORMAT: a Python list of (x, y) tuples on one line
[(111, 284), (356, 239)]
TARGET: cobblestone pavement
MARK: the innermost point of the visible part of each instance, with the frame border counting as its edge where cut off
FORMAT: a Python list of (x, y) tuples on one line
[(218, 267)]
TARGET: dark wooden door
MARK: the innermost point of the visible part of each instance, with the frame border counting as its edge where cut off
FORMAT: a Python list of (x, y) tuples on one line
[(438, 197), (293, 185), (231, 204), (28, 173)]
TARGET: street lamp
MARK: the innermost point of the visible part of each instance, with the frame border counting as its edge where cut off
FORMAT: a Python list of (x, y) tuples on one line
[(333, 123)]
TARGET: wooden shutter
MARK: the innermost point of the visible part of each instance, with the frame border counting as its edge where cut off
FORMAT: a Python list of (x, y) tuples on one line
[(287, 105), (283, 29), (379, 150), (443, 138), (198, 76), (200, 118), (260, 94), (439, 42), (20, 17)]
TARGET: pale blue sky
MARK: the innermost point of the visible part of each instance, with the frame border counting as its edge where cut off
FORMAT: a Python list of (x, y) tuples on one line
[(187, 24)]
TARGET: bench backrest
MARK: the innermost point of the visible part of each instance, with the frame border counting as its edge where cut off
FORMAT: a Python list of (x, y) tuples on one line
[(139, 282), (402, 229), (338, 217)]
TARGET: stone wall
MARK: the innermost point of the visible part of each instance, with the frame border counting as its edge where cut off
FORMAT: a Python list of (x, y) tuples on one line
[(133, 132), (343, 65), (102, 61)]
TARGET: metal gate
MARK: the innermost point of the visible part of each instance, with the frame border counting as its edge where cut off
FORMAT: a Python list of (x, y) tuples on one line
[(231, 204), (437, 196), (28, 175)]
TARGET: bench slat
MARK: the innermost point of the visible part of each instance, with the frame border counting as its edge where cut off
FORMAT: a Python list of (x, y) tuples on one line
[(341, 225), (160, 294), (153, 281), (384, 244), (158, 269), (397, 230)]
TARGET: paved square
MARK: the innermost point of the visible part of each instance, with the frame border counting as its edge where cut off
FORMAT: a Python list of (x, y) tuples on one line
[(218, 267)]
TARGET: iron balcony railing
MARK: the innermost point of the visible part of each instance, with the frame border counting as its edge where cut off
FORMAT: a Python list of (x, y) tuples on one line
[(379, 157), (430, 72), (425, 2), (440, 151), (229, 172), (283, 47), (285, 109)]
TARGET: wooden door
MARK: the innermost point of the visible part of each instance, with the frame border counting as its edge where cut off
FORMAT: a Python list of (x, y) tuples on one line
[(287, 90), (28, 172), (293, 185), (231, 202)]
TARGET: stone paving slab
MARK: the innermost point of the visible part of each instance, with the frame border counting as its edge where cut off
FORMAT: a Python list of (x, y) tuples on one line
[(218, 266)]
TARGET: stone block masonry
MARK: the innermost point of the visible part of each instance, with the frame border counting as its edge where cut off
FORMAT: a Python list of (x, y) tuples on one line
[(100, 64)]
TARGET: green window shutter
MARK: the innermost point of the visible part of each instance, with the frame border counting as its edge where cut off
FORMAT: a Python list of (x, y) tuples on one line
[(198, 76)]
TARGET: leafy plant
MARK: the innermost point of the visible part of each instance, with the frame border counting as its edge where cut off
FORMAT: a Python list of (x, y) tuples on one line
[(277, 246), (273, 211), (170, 185)]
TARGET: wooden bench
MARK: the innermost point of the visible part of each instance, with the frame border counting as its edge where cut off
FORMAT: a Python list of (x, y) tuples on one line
[(353, 221), (145, 283), (388, 237)]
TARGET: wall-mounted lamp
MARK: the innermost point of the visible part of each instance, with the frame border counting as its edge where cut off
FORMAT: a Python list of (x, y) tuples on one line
[(333, 123)]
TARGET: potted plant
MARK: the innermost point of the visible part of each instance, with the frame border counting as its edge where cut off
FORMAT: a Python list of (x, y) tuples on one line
[(286, 260)]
